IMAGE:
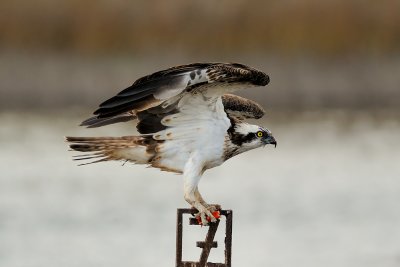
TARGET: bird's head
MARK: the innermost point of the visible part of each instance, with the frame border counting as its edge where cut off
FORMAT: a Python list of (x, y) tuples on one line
[(248, 136)]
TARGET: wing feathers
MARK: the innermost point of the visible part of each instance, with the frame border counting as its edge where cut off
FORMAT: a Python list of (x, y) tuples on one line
[(154, 89), (94, 121), (166, 85), (132, 148), (241, 107), (137, 105), (120, 100)]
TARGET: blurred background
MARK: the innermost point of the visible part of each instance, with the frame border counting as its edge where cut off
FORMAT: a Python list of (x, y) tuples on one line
[(328, 195)]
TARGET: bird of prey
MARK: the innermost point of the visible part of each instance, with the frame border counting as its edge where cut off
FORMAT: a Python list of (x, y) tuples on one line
[(187, 120)]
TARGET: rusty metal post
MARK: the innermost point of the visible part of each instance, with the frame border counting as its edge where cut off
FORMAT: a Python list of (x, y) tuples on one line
[(207, 244)]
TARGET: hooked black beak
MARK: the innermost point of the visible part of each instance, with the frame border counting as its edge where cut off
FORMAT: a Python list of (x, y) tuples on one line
[(271, 140), (274, 143)]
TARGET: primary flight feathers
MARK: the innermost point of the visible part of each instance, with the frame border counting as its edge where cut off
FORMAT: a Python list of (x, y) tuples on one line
[(151, 90)]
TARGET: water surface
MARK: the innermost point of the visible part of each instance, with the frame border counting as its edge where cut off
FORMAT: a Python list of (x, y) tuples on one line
[(328, 195)]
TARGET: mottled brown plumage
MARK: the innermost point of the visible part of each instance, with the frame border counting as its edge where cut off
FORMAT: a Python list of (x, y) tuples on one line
[(151, 90), (241, 107)]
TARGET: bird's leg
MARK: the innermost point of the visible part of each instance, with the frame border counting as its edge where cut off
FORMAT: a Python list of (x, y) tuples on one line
[(192, 174), (210, 207), (193, 197)]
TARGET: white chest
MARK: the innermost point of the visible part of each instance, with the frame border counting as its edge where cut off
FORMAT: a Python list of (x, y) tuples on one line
[(199, 129), (211, 145)]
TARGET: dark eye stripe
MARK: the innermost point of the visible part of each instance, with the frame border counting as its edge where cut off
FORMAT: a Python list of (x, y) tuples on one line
[(239, 139), (249, 137)]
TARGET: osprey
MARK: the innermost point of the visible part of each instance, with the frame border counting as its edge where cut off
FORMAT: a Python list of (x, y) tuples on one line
[(187, 120)]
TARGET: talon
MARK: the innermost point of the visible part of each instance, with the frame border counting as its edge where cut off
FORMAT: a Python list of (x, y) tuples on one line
[(211, 217), (216, 214), (214, 207), (206, 213), (202, 219)]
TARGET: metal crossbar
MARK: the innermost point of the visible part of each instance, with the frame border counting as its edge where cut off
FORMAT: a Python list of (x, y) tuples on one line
[(208, 243)]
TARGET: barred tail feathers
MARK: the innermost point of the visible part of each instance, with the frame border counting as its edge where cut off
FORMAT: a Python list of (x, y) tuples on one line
[(128, 148)]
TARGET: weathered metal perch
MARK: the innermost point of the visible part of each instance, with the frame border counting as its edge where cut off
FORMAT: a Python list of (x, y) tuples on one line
[(208, 243)]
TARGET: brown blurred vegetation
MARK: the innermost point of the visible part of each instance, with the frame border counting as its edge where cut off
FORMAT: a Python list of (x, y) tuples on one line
[(324, 28), (328, 53)]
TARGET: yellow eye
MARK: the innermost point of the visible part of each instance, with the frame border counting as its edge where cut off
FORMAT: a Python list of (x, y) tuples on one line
[(260, 134)]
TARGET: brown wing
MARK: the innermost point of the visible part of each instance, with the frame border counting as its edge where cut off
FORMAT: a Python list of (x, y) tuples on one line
[(242, 108), (152, 90)]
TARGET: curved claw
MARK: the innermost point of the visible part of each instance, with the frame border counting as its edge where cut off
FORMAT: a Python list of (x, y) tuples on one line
[(211, 217), (213, 208)]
